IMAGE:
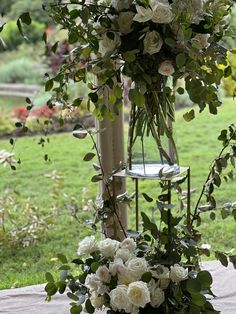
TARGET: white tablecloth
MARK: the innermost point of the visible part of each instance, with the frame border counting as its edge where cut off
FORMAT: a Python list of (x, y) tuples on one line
[(31, 300)]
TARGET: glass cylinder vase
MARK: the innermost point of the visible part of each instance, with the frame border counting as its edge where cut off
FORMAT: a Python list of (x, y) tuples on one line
[(151, 146)]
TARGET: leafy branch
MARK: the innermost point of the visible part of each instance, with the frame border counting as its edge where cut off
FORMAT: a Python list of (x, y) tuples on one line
[(213, 178)]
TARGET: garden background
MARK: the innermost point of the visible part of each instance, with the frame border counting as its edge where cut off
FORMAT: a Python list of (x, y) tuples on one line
[(46, 197)]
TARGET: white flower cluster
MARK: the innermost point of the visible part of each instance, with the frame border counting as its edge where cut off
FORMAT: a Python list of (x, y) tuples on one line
[(6, 158), (128, 14), (121, 263)]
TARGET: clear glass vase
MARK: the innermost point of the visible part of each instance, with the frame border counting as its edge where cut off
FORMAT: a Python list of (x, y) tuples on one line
[(151, 146)]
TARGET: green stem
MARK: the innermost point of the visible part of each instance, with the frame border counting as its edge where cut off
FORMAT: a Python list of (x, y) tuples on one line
[(155, 135), (167, 130)]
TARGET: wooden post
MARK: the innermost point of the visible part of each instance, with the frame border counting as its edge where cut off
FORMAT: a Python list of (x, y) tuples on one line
[(111, 146)]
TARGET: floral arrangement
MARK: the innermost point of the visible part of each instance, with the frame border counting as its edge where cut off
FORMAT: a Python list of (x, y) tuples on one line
[(132, 276), (154, 43)]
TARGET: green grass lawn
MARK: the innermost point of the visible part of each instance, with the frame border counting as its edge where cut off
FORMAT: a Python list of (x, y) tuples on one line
[(198, 145)]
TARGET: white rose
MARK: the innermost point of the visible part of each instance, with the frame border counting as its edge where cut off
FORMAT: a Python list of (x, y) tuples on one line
[(206, 246), (128, 243), (138, 266), (125, 20), (126, 277), (152, 42), (157, 295), (93, 283), (178, 273), (117, 267), (103, 274), (163, 283), (143, 14), (124, 254), (162, 13), (138, 293), (161, 272), (202, 40), (87, 246), (108, 45), (120, 5), (108, 247), (97, 301), (119, 299), (166, 68)]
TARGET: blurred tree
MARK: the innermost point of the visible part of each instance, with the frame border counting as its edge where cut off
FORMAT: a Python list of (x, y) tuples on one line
[(34, 7), (5, 6)]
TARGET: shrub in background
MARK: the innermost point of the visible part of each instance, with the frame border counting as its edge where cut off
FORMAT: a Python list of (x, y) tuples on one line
[(21, 71), (21, 113), (44, 112), (6, 125), (229, 83), (11, 37)]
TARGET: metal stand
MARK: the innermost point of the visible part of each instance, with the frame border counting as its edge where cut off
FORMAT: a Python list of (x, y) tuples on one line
[(183, 173)]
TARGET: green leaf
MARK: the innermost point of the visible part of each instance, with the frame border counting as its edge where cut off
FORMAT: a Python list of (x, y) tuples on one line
[(193, 285), (146, 277), (170, 42), (44, 37), (73, 37), (89, 156), (188, 116), (76, 309), (136, 97), (227, 71), (62, 258), (2, 26), (61, 286), (27, 99), (93, 97), (148, 225), (94, 266), (18, 124), (74, 14), (147, 198), (18, 23), (180, 60), (232, 259), (205, 279), (110, 35), (96, 178), (180, 90), (217, 180), (25, 18), (212, 216), (78, 261), (129, 56), (118, 91), (54, 47), (49, 277), (198, 299), (72, 296), (77, 102), (85, 15), (51, 288), (222, 258), (49, 85), (88, 306), (64, 267)]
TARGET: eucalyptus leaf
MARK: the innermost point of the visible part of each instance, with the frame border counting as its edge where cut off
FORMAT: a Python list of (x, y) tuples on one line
[(89, 156)]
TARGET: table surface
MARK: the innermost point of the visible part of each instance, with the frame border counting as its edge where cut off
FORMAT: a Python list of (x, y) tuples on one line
[(178, 176)]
